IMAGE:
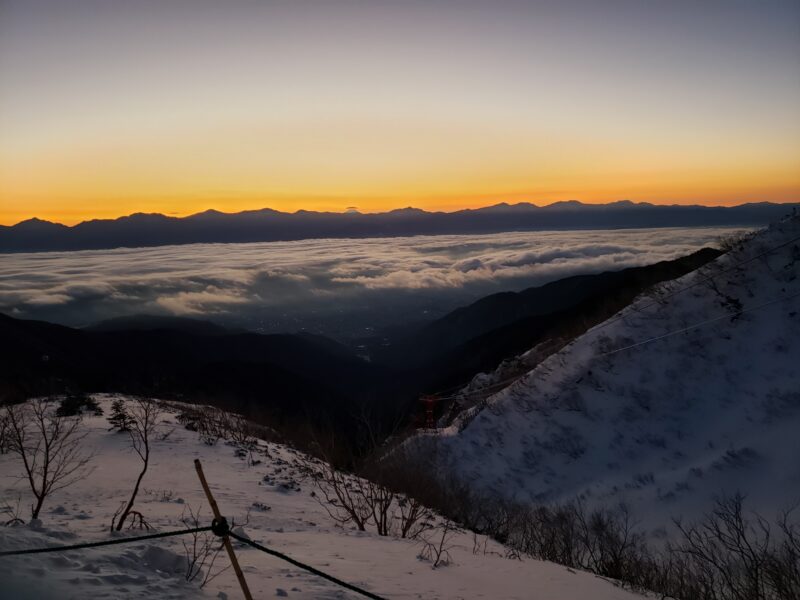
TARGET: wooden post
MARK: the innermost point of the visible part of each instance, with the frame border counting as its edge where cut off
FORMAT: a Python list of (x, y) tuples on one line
[(225, 539)]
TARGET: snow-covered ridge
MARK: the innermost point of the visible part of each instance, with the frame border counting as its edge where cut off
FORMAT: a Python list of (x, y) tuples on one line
[(265, 486), (666, 425)]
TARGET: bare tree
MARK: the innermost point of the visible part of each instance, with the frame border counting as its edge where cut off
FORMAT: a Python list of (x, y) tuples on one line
[(413, 517), (783, 567), (11, 513), (4, 432), (203, 549), (340, 497), (213, 424), (49, 445), (731, 551), (437, 543), (144, 415)]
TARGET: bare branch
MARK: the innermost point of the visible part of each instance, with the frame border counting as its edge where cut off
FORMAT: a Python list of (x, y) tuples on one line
[(144, 414), (49, 445)]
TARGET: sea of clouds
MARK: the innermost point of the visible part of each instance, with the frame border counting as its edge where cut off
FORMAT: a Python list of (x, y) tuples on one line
[(341, 287)]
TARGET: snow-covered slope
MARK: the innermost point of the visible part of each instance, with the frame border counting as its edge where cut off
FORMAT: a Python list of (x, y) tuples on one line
[(283, 515), (664, 425)]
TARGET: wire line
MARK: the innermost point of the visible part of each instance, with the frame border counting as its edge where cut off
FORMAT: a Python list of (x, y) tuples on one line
[(305, 567), (621, 315), (125, 540), (697, 325)]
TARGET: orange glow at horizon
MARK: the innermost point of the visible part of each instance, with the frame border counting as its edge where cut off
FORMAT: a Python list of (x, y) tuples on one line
[(376, 167), (379, 167), (100, 209), (185, 106)]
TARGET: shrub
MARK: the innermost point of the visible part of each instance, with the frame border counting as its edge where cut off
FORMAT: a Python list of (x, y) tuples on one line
[(73, 405), (120, 419), (728, 555)]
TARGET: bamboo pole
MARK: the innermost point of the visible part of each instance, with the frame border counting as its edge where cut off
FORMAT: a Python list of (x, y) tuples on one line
[(225, 539)]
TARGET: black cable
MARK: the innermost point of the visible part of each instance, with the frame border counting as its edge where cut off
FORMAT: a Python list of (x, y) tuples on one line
[(125, 540), (305, 567), (215, 528), (697, 325)]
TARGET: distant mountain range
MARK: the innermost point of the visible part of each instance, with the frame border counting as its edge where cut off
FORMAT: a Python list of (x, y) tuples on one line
[(266, 225)]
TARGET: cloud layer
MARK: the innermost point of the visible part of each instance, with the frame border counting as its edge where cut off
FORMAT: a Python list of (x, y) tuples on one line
[(340, 287)]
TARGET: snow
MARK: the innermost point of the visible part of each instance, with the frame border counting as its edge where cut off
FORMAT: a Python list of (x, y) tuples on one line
[(666, 426), (663, 427), (282, 515)]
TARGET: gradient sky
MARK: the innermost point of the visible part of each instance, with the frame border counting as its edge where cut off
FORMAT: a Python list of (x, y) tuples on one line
[(111, 107)]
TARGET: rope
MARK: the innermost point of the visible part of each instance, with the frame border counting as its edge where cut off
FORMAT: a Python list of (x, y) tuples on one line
[(636, 345), (697, 325), (305, 567), (218, 527), (125, 540)]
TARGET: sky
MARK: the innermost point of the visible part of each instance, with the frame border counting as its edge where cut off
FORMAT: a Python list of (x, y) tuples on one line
[(177, 106), (333, 287)]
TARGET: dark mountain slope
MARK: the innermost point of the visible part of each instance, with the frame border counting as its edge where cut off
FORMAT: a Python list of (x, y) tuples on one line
[(285, 378), (155, 322), (478, 337), (499, 310)]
